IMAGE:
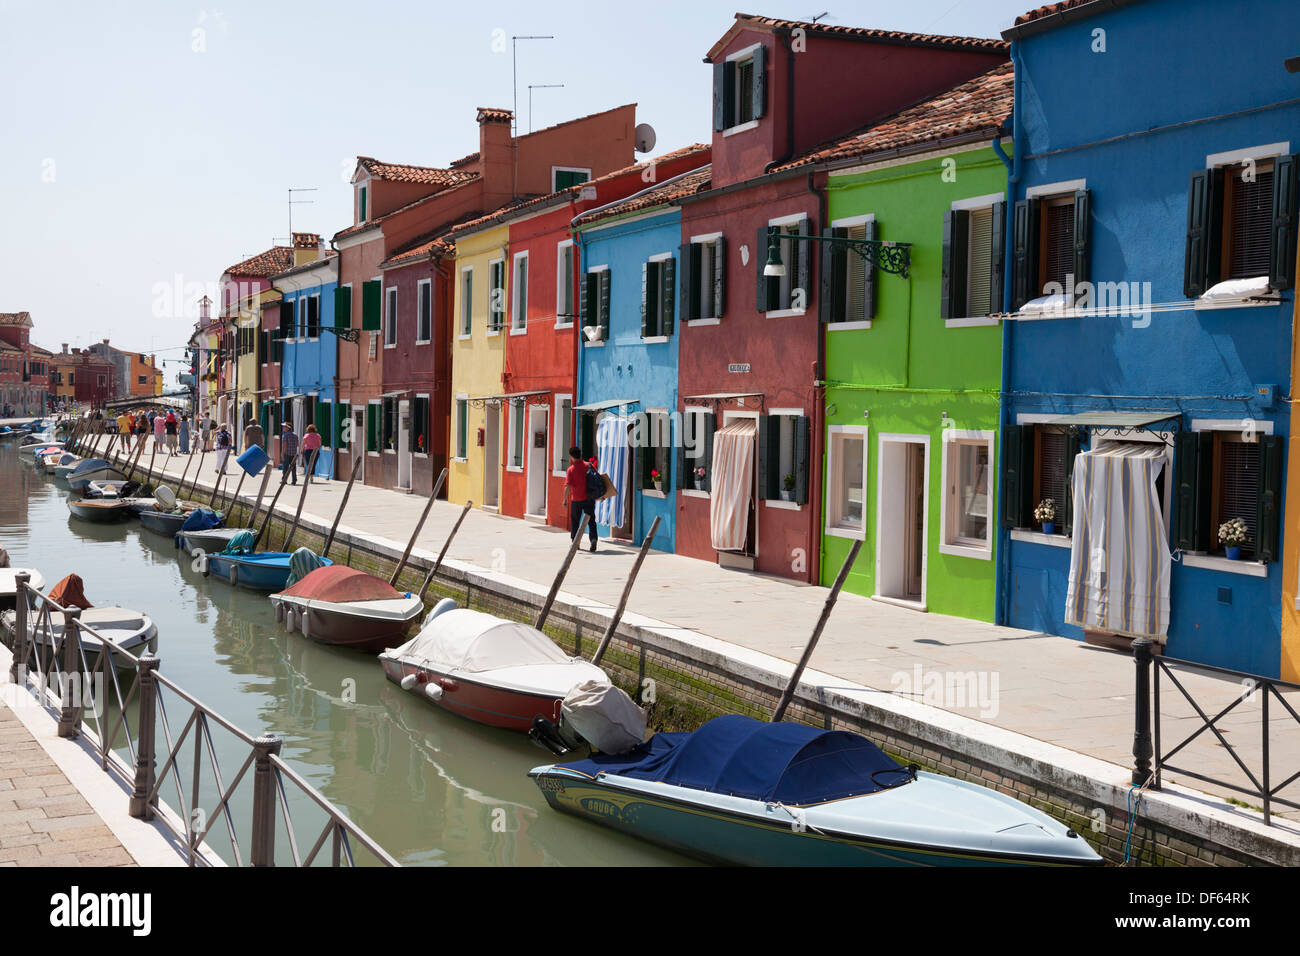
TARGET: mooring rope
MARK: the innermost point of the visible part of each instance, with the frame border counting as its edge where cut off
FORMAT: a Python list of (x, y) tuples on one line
[(1133, 805)]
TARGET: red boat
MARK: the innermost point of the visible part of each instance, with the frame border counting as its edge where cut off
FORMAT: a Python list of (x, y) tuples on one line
[(349, 608), (491, 670)]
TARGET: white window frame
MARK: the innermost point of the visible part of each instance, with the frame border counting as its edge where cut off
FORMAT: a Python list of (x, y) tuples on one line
[(833, 476), (428, 404), (519, 303), (733, 61), (505, 293), (783, 221), (568, 169), (561, 284), (949, 541), (560, 448), (848, 223), (1251, 568), (975, 204), (601, 344), (379, 427), (460, 400), (793, 414), (466, 296), (707, 239), (390, 317), (513, 405), (420, 289), (692, 463)]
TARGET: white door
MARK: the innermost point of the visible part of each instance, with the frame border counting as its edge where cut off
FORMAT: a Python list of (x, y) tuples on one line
[(902, 496), (404, 444), (536, 457), (491, 455)]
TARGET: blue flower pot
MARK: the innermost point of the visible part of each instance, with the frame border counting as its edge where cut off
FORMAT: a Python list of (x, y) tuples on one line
[(1049, 527), (1234, 553)]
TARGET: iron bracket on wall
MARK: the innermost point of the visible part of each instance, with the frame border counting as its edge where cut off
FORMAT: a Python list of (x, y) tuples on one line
[(886, 255)]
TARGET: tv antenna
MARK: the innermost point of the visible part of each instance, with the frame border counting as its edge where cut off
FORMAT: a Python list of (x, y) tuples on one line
[(514, 110), (538, 86), (818, 17), (298, 202)]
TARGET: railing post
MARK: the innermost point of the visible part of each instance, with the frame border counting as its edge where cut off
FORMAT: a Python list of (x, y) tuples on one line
[(18, 669), (1142, 712), (263, 848), (141, 806), (70, 699)]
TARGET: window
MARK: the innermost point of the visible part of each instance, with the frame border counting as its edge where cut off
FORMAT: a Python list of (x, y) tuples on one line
[(1241, 223), (519, 299), (783, 456), (361, 205), (466, 301), (656, 448), (703, 283), (420, 425), (971, 284), (739, 89), (1226, 474), (390, 318), (1038, 461), (846, 492), (787, 293), (140, 380), (313, 316), (566, 260), (562, 177), (563, 433), (594, 302), (695, 464), (372, 427), (389, 423), (848, 280), (967, 491), (515, 443), (424, 309), (462, 427), (496, 295), (1050, 247), (658, 296)]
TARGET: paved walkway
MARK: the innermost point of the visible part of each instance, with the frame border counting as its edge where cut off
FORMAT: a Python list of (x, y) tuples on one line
[(44, 820), (1054, 689)]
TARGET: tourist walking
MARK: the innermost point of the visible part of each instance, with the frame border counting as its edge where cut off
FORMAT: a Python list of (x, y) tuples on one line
[(159, 431), (223, 448), (184, 431), (169, 425), (253, 435), (576, 497), (289, 451), (311, 443), (141, 431), (205, 432)]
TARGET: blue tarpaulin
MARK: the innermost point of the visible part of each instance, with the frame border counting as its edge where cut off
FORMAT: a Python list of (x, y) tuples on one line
[(201, 519), (743, 757)]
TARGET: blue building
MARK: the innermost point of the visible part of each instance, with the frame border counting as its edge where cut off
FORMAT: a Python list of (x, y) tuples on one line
[(308, 355), (627, 363), (1152, 216)]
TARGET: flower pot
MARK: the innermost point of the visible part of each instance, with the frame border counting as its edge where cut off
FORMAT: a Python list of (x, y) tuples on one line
[(659, 486), (787, 495), (1049, 527), (1233, 552)]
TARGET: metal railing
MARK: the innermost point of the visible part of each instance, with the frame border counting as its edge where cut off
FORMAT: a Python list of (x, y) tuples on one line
[(54, 660), (1150, 757)]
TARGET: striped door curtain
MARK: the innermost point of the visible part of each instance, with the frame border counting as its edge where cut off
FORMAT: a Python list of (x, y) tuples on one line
[(612, 459), (733, 477), (1119, 558)]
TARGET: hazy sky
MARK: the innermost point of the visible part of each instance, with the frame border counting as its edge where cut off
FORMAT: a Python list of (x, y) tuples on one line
[(146, 146)]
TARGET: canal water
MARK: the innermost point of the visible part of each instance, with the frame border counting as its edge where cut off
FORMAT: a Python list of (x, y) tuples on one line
[(430, 787)]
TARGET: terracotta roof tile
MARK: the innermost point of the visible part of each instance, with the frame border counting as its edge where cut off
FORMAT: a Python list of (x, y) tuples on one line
[(463, 161), (438, 243), (1048, 9), (16, 318), (494, 114), (979, 105), (929, 40), (404, 173), (688, 185), (264, 264), (307, 266)]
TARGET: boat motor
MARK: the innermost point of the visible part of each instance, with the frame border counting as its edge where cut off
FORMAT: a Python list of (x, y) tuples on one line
[(556, 738)]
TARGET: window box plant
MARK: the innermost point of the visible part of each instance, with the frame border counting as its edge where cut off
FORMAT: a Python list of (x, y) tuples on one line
[(698, 473), (1232, 535), (787, 488), (1045, 515), (657, 479)]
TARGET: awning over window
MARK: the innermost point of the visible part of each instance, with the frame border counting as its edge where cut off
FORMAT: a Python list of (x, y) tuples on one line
[(1119, 557), (1105, 419), (720, 396), (503, 397), (733, 480), (606, 403)]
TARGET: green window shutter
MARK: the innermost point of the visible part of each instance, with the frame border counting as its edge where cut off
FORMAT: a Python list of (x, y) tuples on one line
[(805, 264), (342, 411), (1024, 252), (997, 256), (1072, 448), (760, 81), (689, 253), (343, 308), (952, 284), (645, 294), (585, 300), (1017, 475), (371, 295), (1082, 234), (763, 286), (769, 458), (603, 304), (321, 419), (719, 277), (724, 95), (802, 458), (1282, 241), (870, 232), (710, 426), (363, 204), (1269, 507), (667, 295), (1193, 464), (834, 263), (372, 428), (264, 418), (1201, 251)]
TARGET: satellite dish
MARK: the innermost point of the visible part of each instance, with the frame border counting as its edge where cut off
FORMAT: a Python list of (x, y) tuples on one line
[(645, 138)]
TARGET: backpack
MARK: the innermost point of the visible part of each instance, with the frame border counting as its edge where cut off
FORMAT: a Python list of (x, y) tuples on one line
[(595, 486)]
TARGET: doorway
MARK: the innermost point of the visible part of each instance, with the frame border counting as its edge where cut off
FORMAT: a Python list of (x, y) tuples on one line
[(357, 447), (404, 445), (535, 495), (492, 455), (902, 518)]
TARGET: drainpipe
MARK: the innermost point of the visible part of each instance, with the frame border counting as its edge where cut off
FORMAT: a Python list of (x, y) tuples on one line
[(819, 397), (1002, 584)]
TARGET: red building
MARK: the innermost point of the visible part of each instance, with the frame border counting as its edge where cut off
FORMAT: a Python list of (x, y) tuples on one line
[(780, 89), (24, 368)]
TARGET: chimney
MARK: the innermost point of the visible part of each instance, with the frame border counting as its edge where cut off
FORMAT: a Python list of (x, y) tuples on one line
[(496, 156), (65, 348), (306, 247)]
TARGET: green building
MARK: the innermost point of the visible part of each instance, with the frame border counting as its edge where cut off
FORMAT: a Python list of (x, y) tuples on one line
[(912, 369)]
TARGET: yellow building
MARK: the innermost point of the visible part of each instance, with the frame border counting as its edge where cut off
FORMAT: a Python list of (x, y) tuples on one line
[(477, 361), (1290, 664)]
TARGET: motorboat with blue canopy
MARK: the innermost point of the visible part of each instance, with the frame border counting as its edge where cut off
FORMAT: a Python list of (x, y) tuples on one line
[(240, 565), (741, 791)]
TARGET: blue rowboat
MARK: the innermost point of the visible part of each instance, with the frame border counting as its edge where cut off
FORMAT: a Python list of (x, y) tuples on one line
[(743, 792), (259, 571)]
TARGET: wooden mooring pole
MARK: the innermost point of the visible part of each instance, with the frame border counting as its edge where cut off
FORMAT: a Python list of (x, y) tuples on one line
[(352, 477), (284, 479), (302, 498), (627, 590), (419, 526), (428, 578), (564, 569), (257, 505)]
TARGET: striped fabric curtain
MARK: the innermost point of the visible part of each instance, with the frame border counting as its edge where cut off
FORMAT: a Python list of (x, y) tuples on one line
[(1119, 558), (733, 477), (612, 459)]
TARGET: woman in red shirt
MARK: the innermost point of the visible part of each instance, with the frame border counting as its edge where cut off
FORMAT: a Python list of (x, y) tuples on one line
[(311, 442)]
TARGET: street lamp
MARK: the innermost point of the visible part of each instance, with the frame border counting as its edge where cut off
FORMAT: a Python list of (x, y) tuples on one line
[(892, 257)]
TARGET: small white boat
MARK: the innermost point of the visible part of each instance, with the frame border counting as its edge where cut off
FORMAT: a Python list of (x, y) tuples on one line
[(9, 585)]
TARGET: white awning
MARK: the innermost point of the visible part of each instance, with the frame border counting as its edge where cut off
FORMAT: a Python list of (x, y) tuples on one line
[(606, 403), (1105, 419)]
